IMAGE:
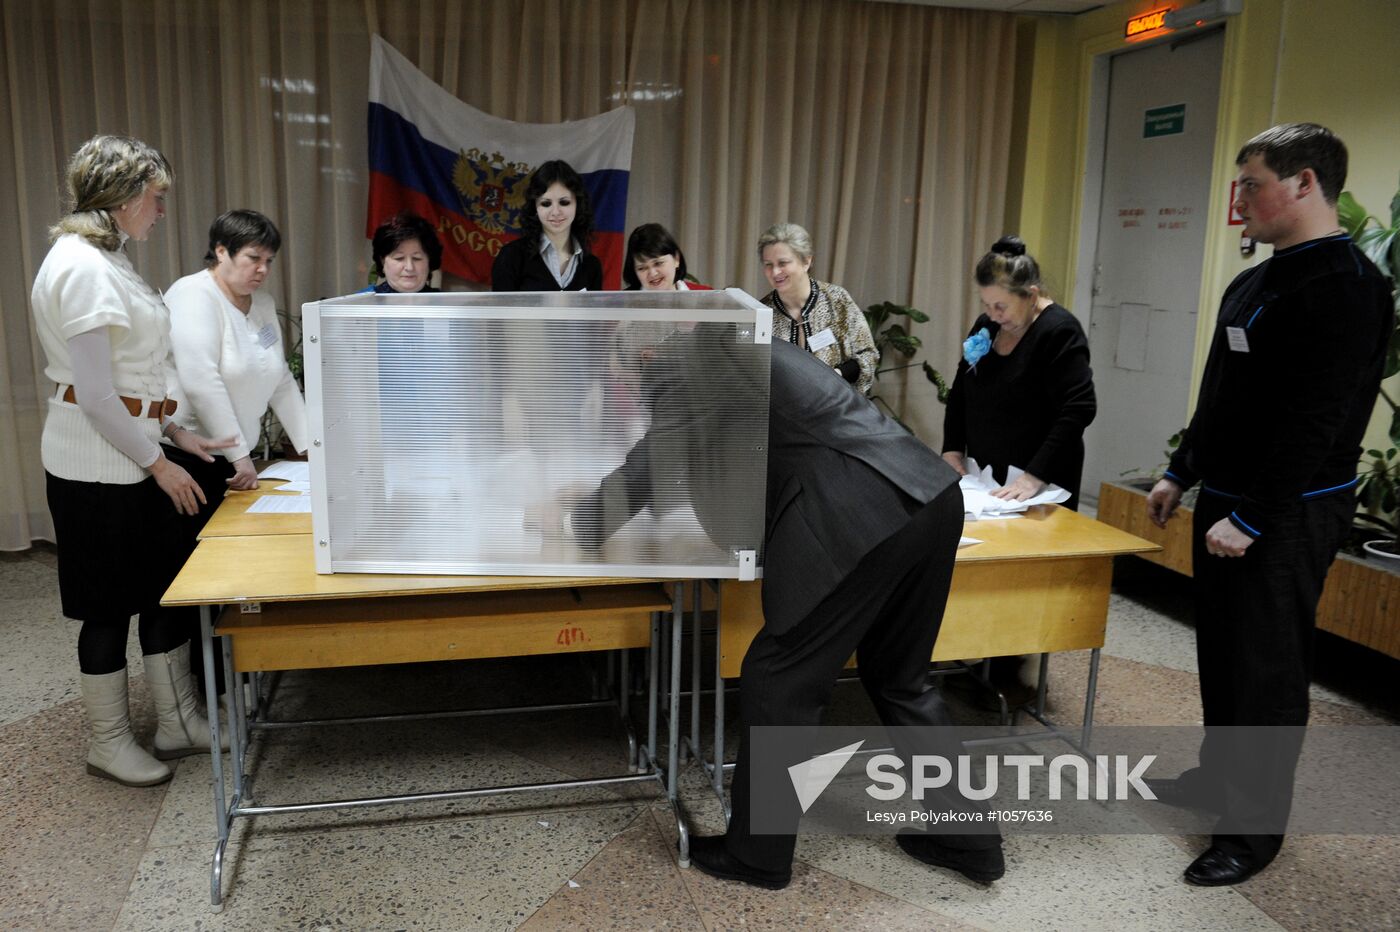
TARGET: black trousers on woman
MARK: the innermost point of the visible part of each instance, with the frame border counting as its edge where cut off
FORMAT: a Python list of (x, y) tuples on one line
[(213, 482), (887, 612)]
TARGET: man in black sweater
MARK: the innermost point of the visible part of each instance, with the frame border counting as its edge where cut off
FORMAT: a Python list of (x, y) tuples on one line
[(1287, 391)]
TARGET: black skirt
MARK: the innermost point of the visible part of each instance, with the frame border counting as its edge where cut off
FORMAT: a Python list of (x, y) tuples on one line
[(119, 547)]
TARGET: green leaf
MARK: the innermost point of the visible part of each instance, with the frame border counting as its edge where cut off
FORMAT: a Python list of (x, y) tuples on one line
[(1395, 210), (1376, 243), (905, 345), (1351, 214), (917, 316), (936, 378)]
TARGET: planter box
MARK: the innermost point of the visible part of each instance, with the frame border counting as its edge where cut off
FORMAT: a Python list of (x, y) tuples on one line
[(1361, 601), (1124, 506)]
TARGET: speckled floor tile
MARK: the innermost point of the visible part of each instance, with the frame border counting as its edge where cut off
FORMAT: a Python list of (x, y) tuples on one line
[(1054, 882), (69, 842), (633, 883), (1304, 889), (816, 898), (447, 875)]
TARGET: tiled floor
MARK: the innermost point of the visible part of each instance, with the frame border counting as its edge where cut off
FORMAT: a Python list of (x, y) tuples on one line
[(81, 853)]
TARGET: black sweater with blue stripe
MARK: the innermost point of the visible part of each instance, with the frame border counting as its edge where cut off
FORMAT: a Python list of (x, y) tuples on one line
[(1290, 382)]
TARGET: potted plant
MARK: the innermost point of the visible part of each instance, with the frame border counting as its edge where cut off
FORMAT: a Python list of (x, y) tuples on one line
[(273, 437), (891, 334), (1378, 492)]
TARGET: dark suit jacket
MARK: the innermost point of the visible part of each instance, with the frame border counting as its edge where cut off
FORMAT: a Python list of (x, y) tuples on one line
[(519, 267), (840, 473)]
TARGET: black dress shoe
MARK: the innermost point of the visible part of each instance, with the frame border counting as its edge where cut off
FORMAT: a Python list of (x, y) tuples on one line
[(1174, 792), (982, 865), (1218, 868), (710, 855)]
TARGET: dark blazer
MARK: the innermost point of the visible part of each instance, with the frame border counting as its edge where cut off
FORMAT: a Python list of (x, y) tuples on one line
[(520, 267), (824, 511)]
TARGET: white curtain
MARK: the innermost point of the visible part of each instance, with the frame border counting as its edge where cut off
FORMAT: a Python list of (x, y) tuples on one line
[(881, 127)]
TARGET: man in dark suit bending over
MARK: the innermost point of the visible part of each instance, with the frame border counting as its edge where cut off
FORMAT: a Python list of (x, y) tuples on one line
[(862, 527)]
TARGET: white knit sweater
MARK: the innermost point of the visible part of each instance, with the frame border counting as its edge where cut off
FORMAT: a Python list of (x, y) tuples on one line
[(81, 288), (231, 366)]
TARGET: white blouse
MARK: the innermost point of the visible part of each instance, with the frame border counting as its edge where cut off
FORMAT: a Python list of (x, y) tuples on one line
[(81, 288), (231, 366)]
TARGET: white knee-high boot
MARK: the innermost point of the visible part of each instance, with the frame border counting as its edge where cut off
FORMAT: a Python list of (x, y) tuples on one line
[(114, 753), (182, 730)]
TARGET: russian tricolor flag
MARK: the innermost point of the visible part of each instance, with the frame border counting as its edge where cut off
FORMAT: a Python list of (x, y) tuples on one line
[(465, 171)]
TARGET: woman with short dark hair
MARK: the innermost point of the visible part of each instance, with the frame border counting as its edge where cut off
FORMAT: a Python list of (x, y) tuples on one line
[(654, 262), (227, 345), (553, 251), (406, 252)]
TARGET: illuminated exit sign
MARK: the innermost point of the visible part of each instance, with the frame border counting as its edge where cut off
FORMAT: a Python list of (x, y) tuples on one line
[(1146, 22)]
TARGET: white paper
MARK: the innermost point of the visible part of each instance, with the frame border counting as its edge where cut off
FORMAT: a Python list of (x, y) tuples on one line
[(979, 504), (281, 505), (967, 542), (303, 487), (297, 471)]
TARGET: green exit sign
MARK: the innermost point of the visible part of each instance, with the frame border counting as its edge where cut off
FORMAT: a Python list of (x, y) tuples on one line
[(1164, 121)]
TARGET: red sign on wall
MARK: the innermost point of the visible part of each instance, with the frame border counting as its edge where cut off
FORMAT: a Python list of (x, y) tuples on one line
[(1235, 219)]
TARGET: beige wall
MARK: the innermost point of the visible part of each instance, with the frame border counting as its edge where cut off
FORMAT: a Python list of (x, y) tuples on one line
[(1335, 62)]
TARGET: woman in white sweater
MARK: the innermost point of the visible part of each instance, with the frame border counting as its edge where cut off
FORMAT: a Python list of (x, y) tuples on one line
[(227, 345), (116, 498)]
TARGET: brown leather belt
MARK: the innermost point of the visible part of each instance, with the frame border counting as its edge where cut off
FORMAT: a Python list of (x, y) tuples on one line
[(155, 409)]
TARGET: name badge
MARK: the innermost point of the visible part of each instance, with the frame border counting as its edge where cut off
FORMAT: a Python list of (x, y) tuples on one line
[(267, 336), (821, 340), (1237, 340)]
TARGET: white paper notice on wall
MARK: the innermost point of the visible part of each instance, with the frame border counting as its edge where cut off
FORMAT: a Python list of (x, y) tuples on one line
[(1131, 352)]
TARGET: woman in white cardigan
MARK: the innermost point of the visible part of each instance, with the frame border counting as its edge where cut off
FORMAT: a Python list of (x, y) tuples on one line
[(227, 345), (115, 495)]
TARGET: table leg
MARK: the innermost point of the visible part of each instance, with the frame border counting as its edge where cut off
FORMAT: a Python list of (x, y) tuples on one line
[(717, 774), (216, 757), (237, 744), (677, 642), (1093, 689), (693, 748), (653, 688)]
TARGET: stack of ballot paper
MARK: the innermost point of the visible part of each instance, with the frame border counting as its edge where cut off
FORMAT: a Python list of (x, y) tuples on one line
[(979, 503), (298, 476)]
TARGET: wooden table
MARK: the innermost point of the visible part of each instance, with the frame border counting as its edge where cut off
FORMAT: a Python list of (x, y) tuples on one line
[(1037, 584), (280, 614)]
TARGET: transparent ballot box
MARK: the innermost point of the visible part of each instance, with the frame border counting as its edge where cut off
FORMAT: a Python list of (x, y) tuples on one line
[(554, 434)]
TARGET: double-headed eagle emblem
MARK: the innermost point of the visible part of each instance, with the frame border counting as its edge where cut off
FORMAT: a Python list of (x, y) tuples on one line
[(492, 190)]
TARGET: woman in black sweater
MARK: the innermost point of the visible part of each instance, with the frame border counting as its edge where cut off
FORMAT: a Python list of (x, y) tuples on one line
[(1024, 391), (552, 253)]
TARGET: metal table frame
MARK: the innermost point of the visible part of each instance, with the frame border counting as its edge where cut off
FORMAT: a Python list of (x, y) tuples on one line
[(245, 716)]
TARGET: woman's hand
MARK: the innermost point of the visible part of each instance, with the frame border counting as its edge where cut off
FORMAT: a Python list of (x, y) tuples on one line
[(184, 492), (1026, 486), (191, 442), (954, 458), (245, 477)]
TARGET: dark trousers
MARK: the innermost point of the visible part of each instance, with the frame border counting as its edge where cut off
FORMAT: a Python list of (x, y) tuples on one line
[(887, 612), (213, 482), (1255, 619)]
